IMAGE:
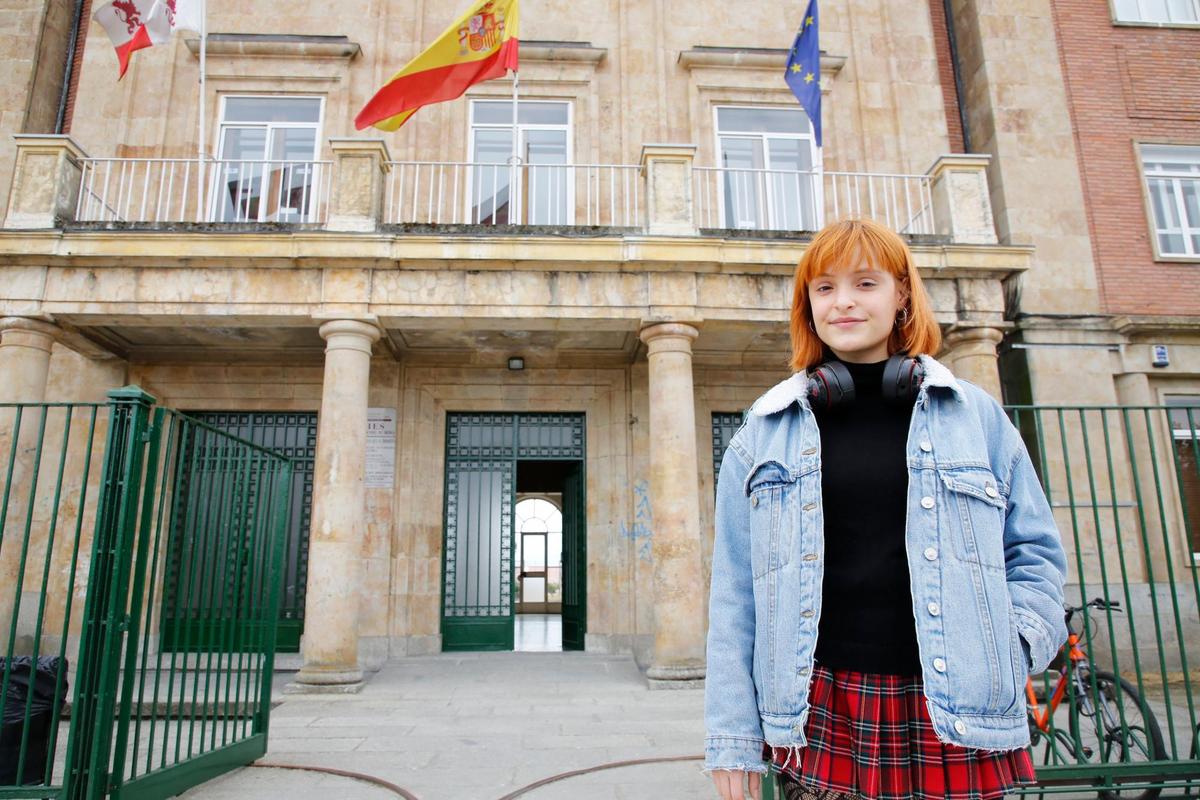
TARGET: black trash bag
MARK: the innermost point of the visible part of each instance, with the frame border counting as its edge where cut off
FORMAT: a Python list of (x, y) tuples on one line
[(26, 681)]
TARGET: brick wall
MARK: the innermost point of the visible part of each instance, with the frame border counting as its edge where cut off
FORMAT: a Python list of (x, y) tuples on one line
[(941, 37), (1129, 85)]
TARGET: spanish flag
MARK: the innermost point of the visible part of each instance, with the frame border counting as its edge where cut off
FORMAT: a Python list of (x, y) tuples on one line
[(478, 46)]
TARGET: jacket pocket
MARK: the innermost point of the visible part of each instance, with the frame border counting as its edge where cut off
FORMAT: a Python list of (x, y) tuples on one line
[(974, 510), (768, 486)]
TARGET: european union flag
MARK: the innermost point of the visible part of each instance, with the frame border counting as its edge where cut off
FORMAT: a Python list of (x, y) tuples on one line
[(803, 73)]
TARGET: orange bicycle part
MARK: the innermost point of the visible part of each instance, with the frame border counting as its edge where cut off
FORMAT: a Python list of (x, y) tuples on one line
[(1042, 720)]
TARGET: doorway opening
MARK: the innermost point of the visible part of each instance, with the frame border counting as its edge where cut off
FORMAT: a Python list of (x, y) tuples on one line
[(515, 547)]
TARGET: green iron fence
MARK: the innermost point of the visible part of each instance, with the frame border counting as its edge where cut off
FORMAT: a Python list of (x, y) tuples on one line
[(101, 507)]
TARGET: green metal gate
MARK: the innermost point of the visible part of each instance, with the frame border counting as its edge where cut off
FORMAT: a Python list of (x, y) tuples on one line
[(292, 434), (482, 451), (85, 533)]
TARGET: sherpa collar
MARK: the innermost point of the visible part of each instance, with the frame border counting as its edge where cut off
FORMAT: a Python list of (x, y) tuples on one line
[(792, 390)]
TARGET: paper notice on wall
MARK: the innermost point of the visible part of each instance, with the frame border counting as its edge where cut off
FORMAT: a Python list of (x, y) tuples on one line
[(381, 448)]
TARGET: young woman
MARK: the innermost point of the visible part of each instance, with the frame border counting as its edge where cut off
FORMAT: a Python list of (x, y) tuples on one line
[(886, 570)]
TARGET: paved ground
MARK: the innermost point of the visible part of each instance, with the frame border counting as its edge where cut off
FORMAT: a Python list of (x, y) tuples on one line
[(479, 726)]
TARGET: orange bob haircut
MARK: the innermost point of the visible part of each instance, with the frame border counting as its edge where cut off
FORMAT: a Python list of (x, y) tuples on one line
[(841, 245)]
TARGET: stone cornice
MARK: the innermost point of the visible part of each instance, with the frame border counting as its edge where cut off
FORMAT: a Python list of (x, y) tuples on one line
[(1146, 325), (750, 58), (272, 45), (579, 52), (311, 249)]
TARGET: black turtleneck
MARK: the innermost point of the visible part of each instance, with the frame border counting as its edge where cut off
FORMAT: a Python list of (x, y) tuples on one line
[(867, 610)]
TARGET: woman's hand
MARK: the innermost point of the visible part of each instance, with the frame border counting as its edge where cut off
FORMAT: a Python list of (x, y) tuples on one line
[(729, 784)]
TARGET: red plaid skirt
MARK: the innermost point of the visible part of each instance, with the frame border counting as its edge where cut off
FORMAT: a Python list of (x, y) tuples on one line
[(870, 735)]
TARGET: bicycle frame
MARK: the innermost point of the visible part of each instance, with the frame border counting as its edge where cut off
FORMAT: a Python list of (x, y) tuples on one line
[(1075, 658)]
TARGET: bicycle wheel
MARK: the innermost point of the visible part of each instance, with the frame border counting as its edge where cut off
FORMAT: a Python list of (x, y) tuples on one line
[(1101, 736)]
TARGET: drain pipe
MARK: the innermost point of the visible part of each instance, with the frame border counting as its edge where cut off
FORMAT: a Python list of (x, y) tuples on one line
[(68, 72), (959, 94)]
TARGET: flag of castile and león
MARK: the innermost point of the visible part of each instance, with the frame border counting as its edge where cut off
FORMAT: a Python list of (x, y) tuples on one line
[(478, 46), (134, 24)]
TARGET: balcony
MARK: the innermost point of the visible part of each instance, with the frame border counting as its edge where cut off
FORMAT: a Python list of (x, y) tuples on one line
[(57, 185)]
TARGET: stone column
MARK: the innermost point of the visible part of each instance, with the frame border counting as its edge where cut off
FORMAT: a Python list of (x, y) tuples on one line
[(330, 643), (25, 358), (675, 500), (670, 196), (971, 353), (25, 346)]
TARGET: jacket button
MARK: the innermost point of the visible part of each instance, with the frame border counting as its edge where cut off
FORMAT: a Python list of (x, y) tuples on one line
[(809, 451), (934, 609), (926, 446), (930, 553), (809, 506), (810, 556), (990, 490), (754, 501), (806, 613), (939, 664), (927, 502), (802, 671), (959, 726)]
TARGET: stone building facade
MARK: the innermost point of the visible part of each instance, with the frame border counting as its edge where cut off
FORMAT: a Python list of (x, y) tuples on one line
[(581, 326)]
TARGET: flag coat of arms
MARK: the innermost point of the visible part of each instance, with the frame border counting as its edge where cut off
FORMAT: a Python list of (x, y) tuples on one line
[(134, 24), (478, 46)]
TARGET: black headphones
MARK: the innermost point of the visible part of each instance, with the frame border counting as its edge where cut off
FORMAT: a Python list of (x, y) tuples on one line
[(830, 384)]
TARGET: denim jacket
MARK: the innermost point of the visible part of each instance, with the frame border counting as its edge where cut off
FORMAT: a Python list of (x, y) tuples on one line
[(985, 561)]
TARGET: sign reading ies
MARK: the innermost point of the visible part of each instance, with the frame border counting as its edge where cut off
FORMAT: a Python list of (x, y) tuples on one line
[(381, 448)]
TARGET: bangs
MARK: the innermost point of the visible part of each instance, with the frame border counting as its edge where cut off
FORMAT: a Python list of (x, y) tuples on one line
[(842, 245)]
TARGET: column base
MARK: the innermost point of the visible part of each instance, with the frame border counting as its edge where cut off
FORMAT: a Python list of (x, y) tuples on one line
[(675, 677), (326, 681)]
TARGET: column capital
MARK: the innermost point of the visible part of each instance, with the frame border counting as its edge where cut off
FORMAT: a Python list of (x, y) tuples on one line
[(660, 336), (349, 334), (973, 333), (29, 332)]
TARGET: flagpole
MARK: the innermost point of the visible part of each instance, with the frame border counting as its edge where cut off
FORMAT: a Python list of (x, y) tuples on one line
[(203, 112), (516, 156)]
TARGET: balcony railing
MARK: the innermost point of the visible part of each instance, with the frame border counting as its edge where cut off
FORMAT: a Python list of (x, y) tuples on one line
[(361, 188), (167, 190), (790, 200), (462, 193)]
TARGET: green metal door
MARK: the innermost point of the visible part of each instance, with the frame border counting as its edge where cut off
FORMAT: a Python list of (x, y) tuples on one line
[(482, 450), (293, 434), (724, 426), (574, 556)]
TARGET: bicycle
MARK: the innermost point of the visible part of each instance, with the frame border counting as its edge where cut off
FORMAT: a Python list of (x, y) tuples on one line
[(1110, 721)]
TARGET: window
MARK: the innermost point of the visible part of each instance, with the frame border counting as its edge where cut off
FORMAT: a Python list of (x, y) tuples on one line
[(766, 163), (1173, 184), (267, 150), (1184, 413), (1157, 11), (543, 193)]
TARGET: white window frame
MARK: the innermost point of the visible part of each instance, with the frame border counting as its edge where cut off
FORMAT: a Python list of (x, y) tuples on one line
[(517, 199), (1141, 17), (270, 127), (1191, 252), (814, 152)]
